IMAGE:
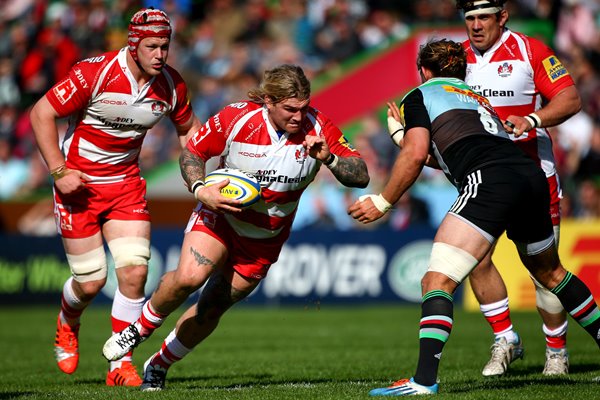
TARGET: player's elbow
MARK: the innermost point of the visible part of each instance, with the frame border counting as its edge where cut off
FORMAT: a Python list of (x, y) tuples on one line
[(416, 157), (577, 104), (362, 175), (42, 113), (363, 182), (358, 179), (572, 102)]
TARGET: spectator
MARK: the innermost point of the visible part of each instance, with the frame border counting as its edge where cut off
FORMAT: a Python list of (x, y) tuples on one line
[(588, 204), (383, 28), (409, 211), (337, 40), (13, 171), (9, 90), (589, 165), (577, 27)]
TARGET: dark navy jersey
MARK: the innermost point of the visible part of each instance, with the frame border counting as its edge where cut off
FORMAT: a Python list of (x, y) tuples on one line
[(466, 133)]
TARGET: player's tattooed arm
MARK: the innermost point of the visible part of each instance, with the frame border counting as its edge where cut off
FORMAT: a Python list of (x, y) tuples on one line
[(351, 172), (192, 167)]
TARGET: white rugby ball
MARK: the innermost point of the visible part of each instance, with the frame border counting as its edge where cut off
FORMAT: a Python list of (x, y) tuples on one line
[(242, 186)]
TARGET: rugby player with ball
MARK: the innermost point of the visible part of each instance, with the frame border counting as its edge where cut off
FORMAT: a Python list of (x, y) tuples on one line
[(282, 141)]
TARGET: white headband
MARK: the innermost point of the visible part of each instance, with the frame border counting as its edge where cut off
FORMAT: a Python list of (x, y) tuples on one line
[(479, 7)]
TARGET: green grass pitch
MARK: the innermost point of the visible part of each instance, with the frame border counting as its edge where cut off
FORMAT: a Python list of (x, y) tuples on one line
[(325, 352)]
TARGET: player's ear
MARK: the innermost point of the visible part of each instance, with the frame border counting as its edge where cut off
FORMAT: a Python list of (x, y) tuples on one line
[(503, 18), (268, 101)]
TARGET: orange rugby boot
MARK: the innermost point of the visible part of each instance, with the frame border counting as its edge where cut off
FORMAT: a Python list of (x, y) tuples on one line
[(126, 375), (66, 347)]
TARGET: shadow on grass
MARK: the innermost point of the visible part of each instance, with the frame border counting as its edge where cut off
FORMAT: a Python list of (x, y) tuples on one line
[(15, 395), (516, 378), (253, 379), (248, 381), (514, 382), (517, 370)]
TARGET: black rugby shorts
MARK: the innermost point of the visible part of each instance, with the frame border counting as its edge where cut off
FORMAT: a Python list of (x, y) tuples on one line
[(505, 197)]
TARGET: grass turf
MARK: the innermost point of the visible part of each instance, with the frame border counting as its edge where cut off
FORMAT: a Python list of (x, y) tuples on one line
[(293, 353)]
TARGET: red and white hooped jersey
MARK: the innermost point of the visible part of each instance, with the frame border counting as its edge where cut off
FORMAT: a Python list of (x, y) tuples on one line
[(515, 75), (242, 136), (110, 114)]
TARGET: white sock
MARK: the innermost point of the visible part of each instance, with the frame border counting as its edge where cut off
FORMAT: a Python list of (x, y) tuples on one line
[(124, 312), (70, 302)]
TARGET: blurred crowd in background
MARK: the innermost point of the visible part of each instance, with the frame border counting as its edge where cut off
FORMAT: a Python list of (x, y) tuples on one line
[(221, 48)]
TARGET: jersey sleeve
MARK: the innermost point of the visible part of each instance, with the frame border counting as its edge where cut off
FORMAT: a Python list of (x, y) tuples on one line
[(413, 113), (182, 110), (210, 140), (74, 91), (549, 74), (337, 142)]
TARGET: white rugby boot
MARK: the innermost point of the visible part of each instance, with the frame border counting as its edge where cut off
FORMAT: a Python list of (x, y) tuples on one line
[(503, 354)]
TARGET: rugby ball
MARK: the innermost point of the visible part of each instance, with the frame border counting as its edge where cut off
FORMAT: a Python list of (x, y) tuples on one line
[(242, 186)]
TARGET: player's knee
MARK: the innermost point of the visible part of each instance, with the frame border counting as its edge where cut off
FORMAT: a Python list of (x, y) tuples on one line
[(545, 300), (88, 290), (132, 279), (483, 269), (437, 281), (130, 251), (451, 261), (187, 283), (88, 267)]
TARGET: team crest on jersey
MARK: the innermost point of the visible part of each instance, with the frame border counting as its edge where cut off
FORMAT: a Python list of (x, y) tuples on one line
[(300, 154), (505, 70), (554, 68), (158, 108), (64, 91)]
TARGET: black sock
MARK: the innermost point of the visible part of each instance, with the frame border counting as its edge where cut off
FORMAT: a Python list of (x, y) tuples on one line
[(436, 325), (577, 299)]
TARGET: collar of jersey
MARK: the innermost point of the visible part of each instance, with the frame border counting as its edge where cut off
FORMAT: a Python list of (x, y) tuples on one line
[(444, 81)]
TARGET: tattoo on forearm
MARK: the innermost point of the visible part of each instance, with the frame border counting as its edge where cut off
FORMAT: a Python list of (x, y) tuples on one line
[(351, 171), (192, 167), (201, 259)]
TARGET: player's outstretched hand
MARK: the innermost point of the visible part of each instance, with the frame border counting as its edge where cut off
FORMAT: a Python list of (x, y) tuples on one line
[(364, 210)]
